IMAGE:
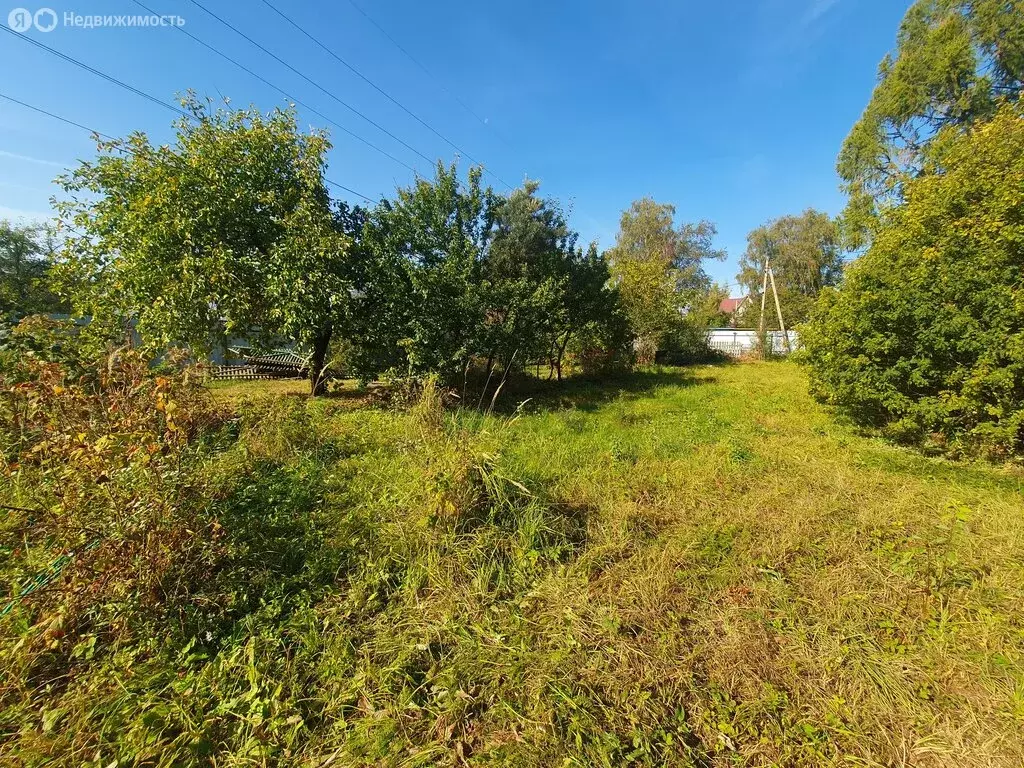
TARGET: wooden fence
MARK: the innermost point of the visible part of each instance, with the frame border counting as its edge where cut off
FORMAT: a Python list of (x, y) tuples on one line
[(237, 373), (279, 364)]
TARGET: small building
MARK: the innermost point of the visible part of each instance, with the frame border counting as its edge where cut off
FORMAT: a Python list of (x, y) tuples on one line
[(734, 309)]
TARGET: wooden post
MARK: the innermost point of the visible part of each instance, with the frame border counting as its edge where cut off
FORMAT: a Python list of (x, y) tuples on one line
[(778, 309), (764, 295)]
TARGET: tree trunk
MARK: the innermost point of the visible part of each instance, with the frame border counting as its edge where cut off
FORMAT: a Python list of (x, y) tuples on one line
[(318, 362), (561, 353)]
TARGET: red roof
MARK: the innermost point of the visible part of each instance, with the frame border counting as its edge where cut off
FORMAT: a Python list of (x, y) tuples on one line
[(731, 305)]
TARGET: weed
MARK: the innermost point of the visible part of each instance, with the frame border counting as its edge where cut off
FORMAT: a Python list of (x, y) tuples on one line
[(692, 568)]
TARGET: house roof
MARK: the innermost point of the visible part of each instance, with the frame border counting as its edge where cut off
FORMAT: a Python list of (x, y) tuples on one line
[(731, 305)]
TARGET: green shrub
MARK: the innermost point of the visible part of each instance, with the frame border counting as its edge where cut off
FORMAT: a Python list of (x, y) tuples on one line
[(140, 544), (187, 586), (925, 337)]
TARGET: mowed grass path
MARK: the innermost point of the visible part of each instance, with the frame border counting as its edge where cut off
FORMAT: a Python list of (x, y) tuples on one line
[(800, 593)]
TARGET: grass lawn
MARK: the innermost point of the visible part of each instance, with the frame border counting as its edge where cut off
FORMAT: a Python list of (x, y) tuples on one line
[(229, 391), (799, 593), (692, 567), (728, 576)]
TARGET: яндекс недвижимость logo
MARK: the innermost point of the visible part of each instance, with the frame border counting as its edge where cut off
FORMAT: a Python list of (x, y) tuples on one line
[(46, 20), (22, 19)]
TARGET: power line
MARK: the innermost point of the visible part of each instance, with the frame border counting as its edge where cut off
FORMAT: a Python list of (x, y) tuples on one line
[(284, 93), (42, 111), (147, 96), (309, 80), (421, 65), (319, 87), (347, 189), (155, 100), (98, 73), (68, 121), (377, 88)]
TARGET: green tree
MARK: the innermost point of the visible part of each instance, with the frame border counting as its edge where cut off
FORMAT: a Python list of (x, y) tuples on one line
[(805, 256), (226, 232), (926, 334), (658, 269), (24, 270), (526, 272), (594, 323), (540, 289), (421, 308), (955, 61), (456, 274)]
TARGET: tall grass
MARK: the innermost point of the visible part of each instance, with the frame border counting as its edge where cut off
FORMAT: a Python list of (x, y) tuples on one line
[(682, 567)]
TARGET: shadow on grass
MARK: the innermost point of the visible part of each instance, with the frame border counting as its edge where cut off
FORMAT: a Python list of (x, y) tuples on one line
[(969, 473), (586, 393), (272, 554)]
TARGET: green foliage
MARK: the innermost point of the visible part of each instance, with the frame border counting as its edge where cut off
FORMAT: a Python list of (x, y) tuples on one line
[(543, 292), (805, 257), (24, 270), (135, 548), (230, 233), (658, 270), (955, 61), (925, 334), (457, 274), (596, 331), (421, 307), (227, 232), (675, 567), (40, 337)]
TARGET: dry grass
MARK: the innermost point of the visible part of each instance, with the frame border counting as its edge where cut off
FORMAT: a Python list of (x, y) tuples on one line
[(809, 595), (235, 392), (691, 567)]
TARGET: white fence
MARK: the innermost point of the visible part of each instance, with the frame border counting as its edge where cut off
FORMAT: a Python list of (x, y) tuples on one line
[(738, 342)]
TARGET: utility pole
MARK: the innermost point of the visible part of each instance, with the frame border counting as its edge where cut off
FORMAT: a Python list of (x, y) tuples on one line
[(764, 295), (778, 309), (770, 275)]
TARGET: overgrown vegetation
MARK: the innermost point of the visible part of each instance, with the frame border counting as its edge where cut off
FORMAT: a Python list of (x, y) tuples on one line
[(257, 253), (447, 277), (470, 564), (675, 567), (955, 63), (924, 336), (455, 275)]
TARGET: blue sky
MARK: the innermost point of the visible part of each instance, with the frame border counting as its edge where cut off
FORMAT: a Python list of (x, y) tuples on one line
[(733, 112)]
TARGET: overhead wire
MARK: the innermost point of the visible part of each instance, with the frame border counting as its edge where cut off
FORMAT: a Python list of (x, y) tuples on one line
[(284, 93), (330, 93), (76, 124), (323, 46), (309, 80), (159, 102), (55, 116), (98, 73), (427, 71)]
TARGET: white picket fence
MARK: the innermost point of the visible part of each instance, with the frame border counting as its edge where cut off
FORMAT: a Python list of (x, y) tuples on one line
[(740, 342)]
